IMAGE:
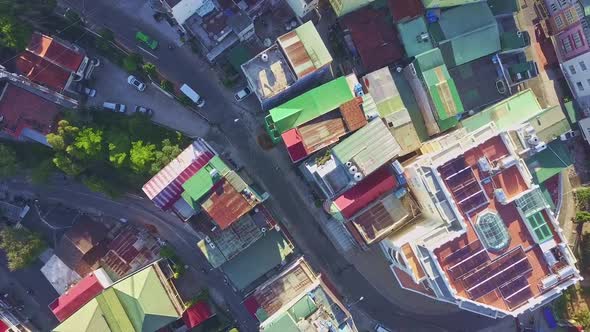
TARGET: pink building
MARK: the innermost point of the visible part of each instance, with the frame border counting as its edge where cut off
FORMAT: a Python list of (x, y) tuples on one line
[(571, 42)]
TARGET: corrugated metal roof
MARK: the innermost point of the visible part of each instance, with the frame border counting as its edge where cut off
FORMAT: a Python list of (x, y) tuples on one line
[(369, 148), (353, 114), (410, 33), (550, 123), (305, 49), (165, 187)]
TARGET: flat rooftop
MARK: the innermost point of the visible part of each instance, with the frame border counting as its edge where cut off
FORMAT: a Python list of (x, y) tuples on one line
[(497, 260), (269, 73)]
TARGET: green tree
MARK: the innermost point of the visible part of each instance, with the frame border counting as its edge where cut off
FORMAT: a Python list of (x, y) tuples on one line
[(119, 145), (166, 154), (67, 164), (41, 173), (88, 144), (583, 318), (14, 34), (167, 86), (8, 161), (98, 184), (150, 69), (582, 216), (21, 247), (141, 156), (583, 197), (131, 62), (63, 136)]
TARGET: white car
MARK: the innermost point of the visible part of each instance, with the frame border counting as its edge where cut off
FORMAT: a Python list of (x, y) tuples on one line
[(139, 85), (119, 108), (245, 92)]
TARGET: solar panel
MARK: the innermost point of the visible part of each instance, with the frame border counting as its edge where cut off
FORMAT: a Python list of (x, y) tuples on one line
[(452, 167), (474, 202), (470, 263), (463, 252), (519, 297), (493, 267), (501, 277), (513, 286)]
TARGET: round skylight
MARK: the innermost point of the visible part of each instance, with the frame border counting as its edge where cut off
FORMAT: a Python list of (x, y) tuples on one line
[(492, 230)]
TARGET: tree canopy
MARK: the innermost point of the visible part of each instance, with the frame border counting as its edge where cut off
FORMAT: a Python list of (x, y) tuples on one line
[(21, 247), (8, 161)]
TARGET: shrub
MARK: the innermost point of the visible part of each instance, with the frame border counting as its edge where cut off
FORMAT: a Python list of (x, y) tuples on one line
[(582, 216), (167, 85), (132, 62), (150, 69), (21, 247), (583, 318)]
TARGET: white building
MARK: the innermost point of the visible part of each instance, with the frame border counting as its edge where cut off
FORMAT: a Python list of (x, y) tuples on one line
[(577, 73)]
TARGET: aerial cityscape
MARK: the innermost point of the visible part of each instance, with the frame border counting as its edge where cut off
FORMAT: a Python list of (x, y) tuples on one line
[(294, 166)]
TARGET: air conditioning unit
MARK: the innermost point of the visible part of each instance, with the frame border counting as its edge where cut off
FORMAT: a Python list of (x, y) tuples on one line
[(549, 281), (263, 229), (264, 57), (540, 147), (214, 173), (211, 245), (484, 164), (500, 196), (507, 161), (277, 228), (397, 167), (357, 176), (565, 272), (533, 140), (353, 169), (348, 164)]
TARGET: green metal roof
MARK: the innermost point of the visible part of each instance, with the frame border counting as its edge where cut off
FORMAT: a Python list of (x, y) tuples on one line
[(428, 60), (468, 33), (237, 56), (539, 227), (368, 148), (308, 106), (513, 40), (409, 33), (505, 114), (410, 103), (445, 3), (283, 323), (572, 112), (503, 7), (256, 260), (201, 183), (549, 162), (303, 308), (136, 303), (550, 123), (443, 93), (313, 44)]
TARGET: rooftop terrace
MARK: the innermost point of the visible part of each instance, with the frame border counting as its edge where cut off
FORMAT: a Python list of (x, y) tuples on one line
[(269, 73)]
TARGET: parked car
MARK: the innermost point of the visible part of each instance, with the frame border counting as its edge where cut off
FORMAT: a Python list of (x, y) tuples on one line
[(245, 92), (119, 108), (192, 95), (143, 110), (139, 85), (380, 328), (147, 40), (79, 88)]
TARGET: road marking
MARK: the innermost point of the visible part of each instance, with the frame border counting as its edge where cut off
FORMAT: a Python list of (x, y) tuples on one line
[(148, 52)]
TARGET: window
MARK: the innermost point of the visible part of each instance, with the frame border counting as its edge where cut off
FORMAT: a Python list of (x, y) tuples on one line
[(562, 3), (567, 45), (577, 39), (583, 66), (569, 17), (553, 7), (579, 11), (580, 86), (559, 23), (572, 69), (588, 81)]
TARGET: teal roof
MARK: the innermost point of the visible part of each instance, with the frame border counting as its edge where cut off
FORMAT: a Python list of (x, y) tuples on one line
[(505, 114), (308, 106), (445, 3), (409, 33), (466, 33), (428, 60), (258, 259), (550, 123), (572, 112), (303, 308), (503, 7), (539, 227), (513, 40), (368, 148), (549, 162), (284, 323), (139, 302)]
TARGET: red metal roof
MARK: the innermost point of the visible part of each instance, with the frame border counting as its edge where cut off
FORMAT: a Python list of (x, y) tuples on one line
[(42, 71), (405, 9), (165, 188), (294, 144), (365, 192), (22, 109), (196, 314), (56, 52), (225, 205), (374, 37), (3, 327), (76, 297)]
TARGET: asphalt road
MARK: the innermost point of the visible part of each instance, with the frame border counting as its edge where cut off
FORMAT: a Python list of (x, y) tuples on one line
[(183, 66)]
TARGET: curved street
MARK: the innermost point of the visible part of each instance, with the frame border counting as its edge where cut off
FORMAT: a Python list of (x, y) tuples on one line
[(234, 130)]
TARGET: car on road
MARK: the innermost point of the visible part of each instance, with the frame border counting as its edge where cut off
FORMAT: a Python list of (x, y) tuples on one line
[(380, 328), (143, 110), (139, 85), (192, 95), (118, 108), (245, 92), (79, 88), (147, 40)]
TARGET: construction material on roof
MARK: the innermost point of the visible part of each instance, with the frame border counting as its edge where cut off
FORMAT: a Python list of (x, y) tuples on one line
[(414, 36)]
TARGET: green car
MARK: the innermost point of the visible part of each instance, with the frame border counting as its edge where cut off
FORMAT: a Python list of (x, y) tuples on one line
[(142, 37)]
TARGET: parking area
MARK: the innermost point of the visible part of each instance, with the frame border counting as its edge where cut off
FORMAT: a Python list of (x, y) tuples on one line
[(111, 85)]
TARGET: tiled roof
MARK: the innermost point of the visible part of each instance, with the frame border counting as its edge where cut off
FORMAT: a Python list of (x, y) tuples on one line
[(165, 188), (374, 37), (196, 314), (365, 192), (226, 205), (42, 71), (405, 9), (368, 148), (353, 114), (56, 52), (129, 250), (22, 109), (77, 296)]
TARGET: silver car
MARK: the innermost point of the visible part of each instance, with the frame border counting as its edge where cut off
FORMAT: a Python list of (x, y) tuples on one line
[(118, 108), (139, 85)]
